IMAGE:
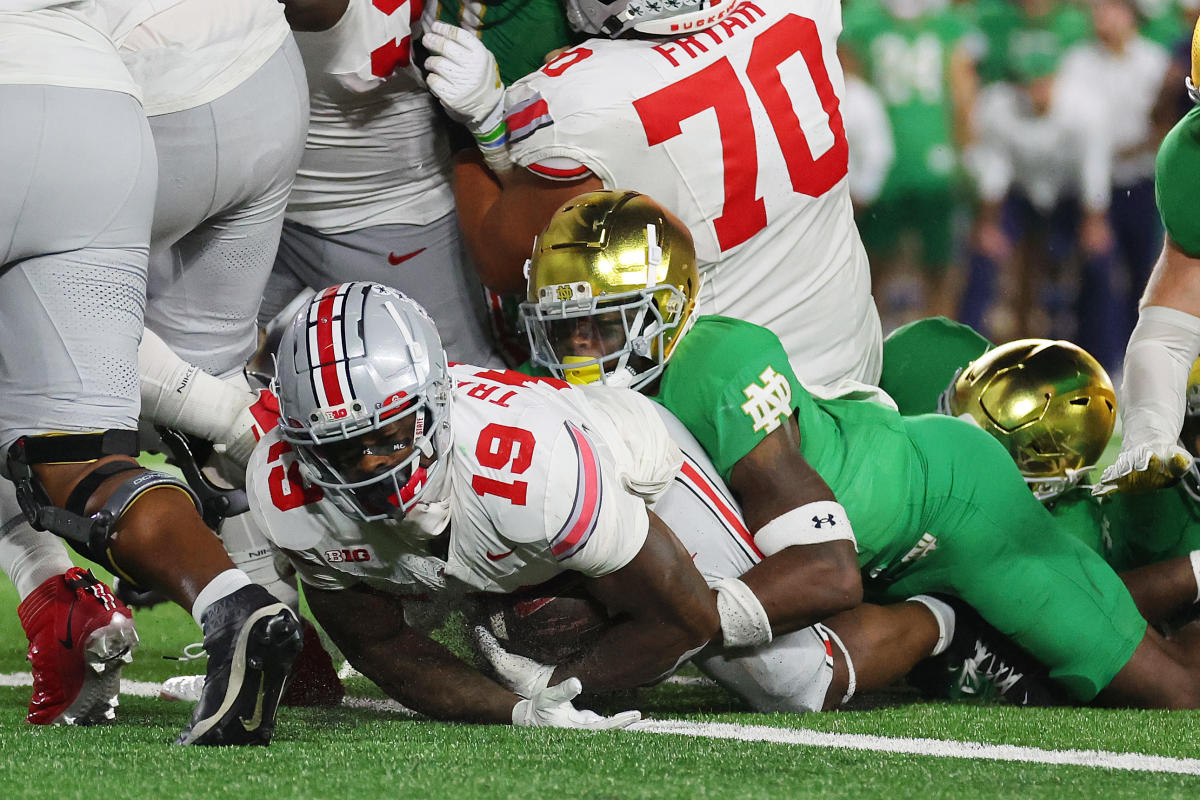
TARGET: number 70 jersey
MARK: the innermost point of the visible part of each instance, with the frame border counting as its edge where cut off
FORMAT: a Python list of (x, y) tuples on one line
[(738, 130)]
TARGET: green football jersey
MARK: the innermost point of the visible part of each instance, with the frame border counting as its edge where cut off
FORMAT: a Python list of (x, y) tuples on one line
[(1013, 35), (1147, 528), (907, 60), (1176, 178), (1081, 515), (920, 360), (731, 384), (518, 32)]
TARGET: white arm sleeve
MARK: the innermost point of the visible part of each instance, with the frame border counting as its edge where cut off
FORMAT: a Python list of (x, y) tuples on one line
[(1161, 351)]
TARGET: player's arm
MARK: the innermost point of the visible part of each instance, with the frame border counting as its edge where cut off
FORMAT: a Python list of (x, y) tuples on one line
[(368, 627), (964, 88), (807, 576), (500, 218), (667, 610), (313, 15)]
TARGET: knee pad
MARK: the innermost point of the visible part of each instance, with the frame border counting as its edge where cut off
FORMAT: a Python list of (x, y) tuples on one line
[(91, 534)]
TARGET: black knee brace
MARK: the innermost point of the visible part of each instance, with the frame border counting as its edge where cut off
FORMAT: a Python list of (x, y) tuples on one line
[(88, 534)]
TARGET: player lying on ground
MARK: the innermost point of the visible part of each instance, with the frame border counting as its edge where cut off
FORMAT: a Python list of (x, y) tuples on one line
[(935, 504), (394, 478)]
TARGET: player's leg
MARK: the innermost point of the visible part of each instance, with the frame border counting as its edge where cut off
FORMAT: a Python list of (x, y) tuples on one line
[(427, 262), (227, 167), (1165, 589), (934, 223), (999, 550)]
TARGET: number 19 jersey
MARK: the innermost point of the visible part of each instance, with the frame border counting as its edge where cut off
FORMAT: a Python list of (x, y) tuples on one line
[(737, 129)]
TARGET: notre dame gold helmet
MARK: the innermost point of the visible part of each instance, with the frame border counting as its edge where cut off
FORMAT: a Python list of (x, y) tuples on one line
[(1193, 80), (1049, 402), (612, 288), (1190, 436)]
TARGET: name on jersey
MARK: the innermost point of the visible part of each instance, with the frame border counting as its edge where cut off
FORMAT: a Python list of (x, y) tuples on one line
[(738, 19)]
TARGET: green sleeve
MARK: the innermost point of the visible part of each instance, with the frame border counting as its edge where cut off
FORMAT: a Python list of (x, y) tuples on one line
[(920, 360), (731, 384), (1176, 177), (1079, 514), (1152, 527)]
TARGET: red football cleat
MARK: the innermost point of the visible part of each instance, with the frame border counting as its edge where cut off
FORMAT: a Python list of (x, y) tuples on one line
[(80, 635), (314, 679)]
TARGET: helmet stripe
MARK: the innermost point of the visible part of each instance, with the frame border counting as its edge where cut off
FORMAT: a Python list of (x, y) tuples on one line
[(328, 346)]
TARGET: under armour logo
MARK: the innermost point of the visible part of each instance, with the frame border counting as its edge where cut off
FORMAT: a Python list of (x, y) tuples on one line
[(765, 404), (819, 521)]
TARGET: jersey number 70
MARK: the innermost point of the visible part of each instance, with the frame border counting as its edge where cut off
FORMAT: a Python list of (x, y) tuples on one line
[(719, 87)]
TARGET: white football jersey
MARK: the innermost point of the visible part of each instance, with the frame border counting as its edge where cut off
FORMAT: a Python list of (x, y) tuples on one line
[(375, 153), (541, 480), (67, 42), (198, 50), (738, 130)]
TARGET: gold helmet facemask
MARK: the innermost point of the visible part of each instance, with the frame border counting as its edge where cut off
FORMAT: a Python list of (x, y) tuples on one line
[(1048, 402), (612, 289)]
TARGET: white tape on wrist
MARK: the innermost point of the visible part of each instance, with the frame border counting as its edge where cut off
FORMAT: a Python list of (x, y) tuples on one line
[(812, 523), (1194, 557), (744, 621)]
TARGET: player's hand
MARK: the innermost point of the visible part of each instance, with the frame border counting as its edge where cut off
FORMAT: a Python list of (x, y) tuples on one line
[(463, 75), (522, 675), (1144, 469), (551, 708)]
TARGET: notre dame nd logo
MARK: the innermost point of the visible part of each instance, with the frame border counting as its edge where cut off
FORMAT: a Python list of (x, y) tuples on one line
[(765, 404)]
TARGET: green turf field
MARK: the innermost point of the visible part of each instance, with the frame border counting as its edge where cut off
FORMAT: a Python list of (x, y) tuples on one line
[(370, 751)]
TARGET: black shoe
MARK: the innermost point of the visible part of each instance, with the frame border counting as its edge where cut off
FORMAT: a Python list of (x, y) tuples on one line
[(983, 663), (252, 640)]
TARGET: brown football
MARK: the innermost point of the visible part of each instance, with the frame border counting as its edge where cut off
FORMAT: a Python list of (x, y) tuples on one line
[(550, 623)]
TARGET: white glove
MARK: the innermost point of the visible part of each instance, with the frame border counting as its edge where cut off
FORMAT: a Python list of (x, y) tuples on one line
[(551, 708), (522, 675), (1145, 468), (463, 75)]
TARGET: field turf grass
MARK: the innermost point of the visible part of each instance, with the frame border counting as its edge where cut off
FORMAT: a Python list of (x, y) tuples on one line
[(368, 752)]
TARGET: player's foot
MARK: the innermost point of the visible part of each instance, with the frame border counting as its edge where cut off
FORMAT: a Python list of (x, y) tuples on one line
[(80, 635), (252, 640), (981, 662), (314, 679)]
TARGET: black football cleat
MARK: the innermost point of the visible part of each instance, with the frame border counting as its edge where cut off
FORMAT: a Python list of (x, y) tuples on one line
[(252, 640)]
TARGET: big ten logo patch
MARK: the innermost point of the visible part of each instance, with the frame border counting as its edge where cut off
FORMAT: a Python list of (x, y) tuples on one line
[(348, 556), (768, 401)]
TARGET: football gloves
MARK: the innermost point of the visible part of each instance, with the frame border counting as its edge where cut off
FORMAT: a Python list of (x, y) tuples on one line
[(1145, 468)]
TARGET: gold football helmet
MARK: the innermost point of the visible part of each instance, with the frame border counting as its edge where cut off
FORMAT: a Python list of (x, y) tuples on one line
[(612, 288), (1048, 402), (1193, 80)]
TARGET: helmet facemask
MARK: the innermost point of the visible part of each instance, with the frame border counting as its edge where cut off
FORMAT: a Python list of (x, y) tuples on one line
[(619, 340)]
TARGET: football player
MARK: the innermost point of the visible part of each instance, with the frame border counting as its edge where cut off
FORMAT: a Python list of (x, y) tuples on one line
[(394, 476), (930, 503), (372, 198), (1166, 340), (728, 112), (73, 281)]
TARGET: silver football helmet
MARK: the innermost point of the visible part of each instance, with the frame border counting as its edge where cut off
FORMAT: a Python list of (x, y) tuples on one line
[(612, 18), (364, 398)]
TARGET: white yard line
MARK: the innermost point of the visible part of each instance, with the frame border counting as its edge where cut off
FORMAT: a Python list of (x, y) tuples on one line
[(936, 748)]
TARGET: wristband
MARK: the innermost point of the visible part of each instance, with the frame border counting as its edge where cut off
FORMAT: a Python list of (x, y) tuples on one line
[(811, 523)]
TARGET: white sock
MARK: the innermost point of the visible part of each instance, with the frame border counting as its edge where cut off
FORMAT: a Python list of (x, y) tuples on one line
[(219, 587), (943, 614), (179, 395), (1194, 556), (30, 557)]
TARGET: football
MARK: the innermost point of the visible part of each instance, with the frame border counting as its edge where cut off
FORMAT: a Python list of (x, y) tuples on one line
[(550, 623)]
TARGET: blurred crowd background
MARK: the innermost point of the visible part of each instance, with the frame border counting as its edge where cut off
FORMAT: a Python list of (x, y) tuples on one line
[(1002, 158)]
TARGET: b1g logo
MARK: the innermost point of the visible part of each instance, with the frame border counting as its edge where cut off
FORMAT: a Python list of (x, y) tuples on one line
[(356, 555)]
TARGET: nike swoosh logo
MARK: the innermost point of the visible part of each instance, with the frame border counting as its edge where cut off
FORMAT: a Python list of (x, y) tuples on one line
[(396, 260), (68, 642), (497, 556), (256, 719)]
